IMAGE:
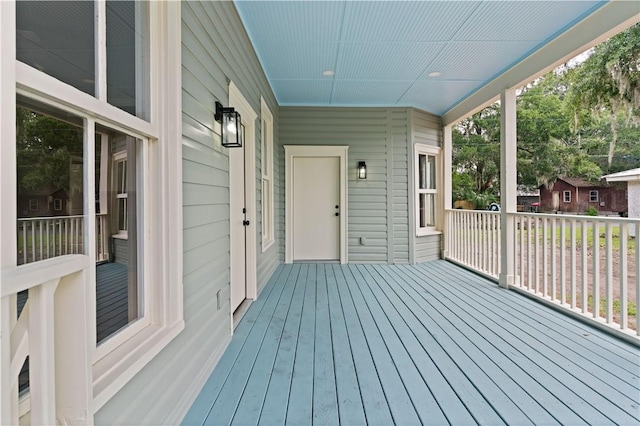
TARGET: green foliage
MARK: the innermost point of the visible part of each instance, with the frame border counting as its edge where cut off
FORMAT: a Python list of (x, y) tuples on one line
[(579, 122), (591, 211), (44, 149), (607, 85)]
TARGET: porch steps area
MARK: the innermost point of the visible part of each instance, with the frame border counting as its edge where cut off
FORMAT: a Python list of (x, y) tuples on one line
[(425, 344)]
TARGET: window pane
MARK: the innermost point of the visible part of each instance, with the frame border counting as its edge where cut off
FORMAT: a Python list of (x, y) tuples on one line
[(57, 37), (49, 160), (127, 57), (118, 279), (422, 171), (422, 214), (432, 171), (431, 211)]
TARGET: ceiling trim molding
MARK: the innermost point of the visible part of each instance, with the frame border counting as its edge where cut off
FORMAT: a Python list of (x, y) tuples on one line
[(605, 22)]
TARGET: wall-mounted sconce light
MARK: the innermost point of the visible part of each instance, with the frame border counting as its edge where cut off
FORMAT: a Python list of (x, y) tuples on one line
[(362, 170), (230, 121)]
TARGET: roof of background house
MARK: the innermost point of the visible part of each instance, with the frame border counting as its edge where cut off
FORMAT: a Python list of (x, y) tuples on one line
[(580, 183), (624, 176)]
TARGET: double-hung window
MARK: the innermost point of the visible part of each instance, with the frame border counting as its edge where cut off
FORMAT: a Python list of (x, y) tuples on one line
[(98, 141), (566, 196), (593, 196), (267, 177), (427, 171)]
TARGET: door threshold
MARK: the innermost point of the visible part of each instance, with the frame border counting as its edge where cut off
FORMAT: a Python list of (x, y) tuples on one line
[(240, 311)]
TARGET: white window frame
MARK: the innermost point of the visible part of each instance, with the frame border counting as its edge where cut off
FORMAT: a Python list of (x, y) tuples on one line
[(591, 196), (434, 151), (119, 157), (118, 359), (57, 204), (266, 153), (566, 199), (33, 204)]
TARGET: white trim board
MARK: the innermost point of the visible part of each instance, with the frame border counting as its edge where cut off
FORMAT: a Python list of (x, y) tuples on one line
[(292, 151)]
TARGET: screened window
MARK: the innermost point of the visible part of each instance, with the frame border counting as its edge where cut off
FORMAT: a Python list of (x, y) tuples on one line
[(427, 187), (58, 38), (566, 196), (65, 158)]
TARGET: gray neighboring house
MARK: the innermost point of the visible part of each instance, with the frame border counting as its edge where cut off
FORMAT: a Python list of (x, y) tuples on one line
[(632, 177)]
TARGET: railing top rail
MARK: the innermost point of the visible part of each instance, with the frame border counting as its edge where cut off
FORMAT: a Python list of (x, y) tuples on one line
[(26, 219), (471, 211), (584, 218), (18, 278)]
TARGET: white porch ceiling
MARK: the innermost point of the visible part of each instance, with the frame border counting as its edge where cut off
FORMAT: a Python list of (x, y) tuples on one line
[(383, 52)]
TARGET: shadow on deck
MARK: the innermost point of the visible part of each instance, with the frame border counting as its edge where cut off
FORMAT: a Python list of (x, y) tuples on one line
[(425, 344)]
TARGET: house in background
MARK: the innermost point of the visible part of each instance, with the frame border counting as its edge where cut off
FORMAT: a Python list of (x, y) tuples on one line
[(632, 178), (528, 199), (576, 195), (324, 90)]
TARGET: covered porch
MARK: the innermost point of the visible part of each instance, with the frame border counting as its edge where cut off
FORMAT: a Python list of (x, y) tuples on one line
[(431, 343)]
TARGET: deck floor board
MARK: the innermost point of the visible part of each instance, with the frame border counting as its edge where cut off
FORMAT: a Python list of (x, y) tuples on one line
[(585, 394), (425, 344)]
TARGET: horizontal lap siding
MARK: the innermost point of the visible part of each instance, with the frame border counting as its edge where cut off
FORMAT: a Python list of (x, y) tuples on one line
[(215, 49), (364, 130), (427, 129)]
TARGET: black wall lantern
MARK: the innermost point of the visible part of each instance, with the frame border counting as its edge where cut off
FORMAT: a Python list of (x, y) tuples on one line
[(230, 126), (362, 170)]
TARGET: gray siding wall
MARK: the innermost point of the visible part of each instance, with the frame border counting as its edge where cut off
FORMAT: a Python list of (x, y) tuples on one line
[(425, 129), (377, 206), (215, 49)]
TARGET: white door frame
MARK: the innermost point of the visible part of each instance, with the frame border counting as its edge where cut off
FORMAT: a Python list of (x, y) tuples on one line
[(293, 151), (248, 117)]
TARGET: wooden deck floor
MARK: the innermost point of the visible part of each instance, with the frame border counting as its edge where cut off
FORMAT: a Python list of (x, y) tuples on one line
[(426, 344), (111, 298)]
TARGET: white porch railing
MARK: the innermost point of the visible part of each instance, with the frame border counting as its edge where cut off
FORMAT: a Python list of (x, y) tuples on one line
[(52, 331), (474, 240), (46, 237), (585, 264)]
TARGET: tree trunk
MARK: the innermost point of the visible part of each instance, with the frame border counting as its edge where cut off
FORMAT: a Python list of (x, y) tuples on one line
[(614, 139)]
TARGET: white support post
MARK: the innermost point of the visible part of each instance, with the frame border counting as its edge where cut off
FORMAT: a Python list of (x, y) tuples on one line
[(73, 361), (42, 374), (8, 224), (508, 184), (447, 188)]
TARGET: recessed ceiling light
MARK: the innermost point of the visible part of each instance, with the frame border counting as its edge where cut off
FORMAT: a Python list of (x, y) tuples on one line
[(328, 73), (435, 74)]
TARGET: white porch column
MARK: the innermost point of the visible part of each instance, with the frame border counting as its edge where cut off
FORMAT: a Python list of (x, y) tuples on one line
[(508, 185), (8, 252), (447, 189)]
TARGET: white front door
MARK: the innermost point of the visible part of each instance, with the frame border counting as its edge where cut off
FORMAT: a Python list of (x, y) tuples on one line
[(316, 208), (555, 200), (238, 273), (242, 210)]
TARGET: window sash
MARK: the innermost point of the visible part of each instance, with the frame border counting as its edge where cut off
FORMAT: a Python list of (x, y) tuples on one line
[(566, 196), (427, 196), (127, 352)]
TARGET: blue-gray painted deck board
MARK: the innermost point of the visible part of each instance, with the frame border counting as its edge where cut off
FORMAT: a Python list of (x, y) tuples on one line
[(426, 344)]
